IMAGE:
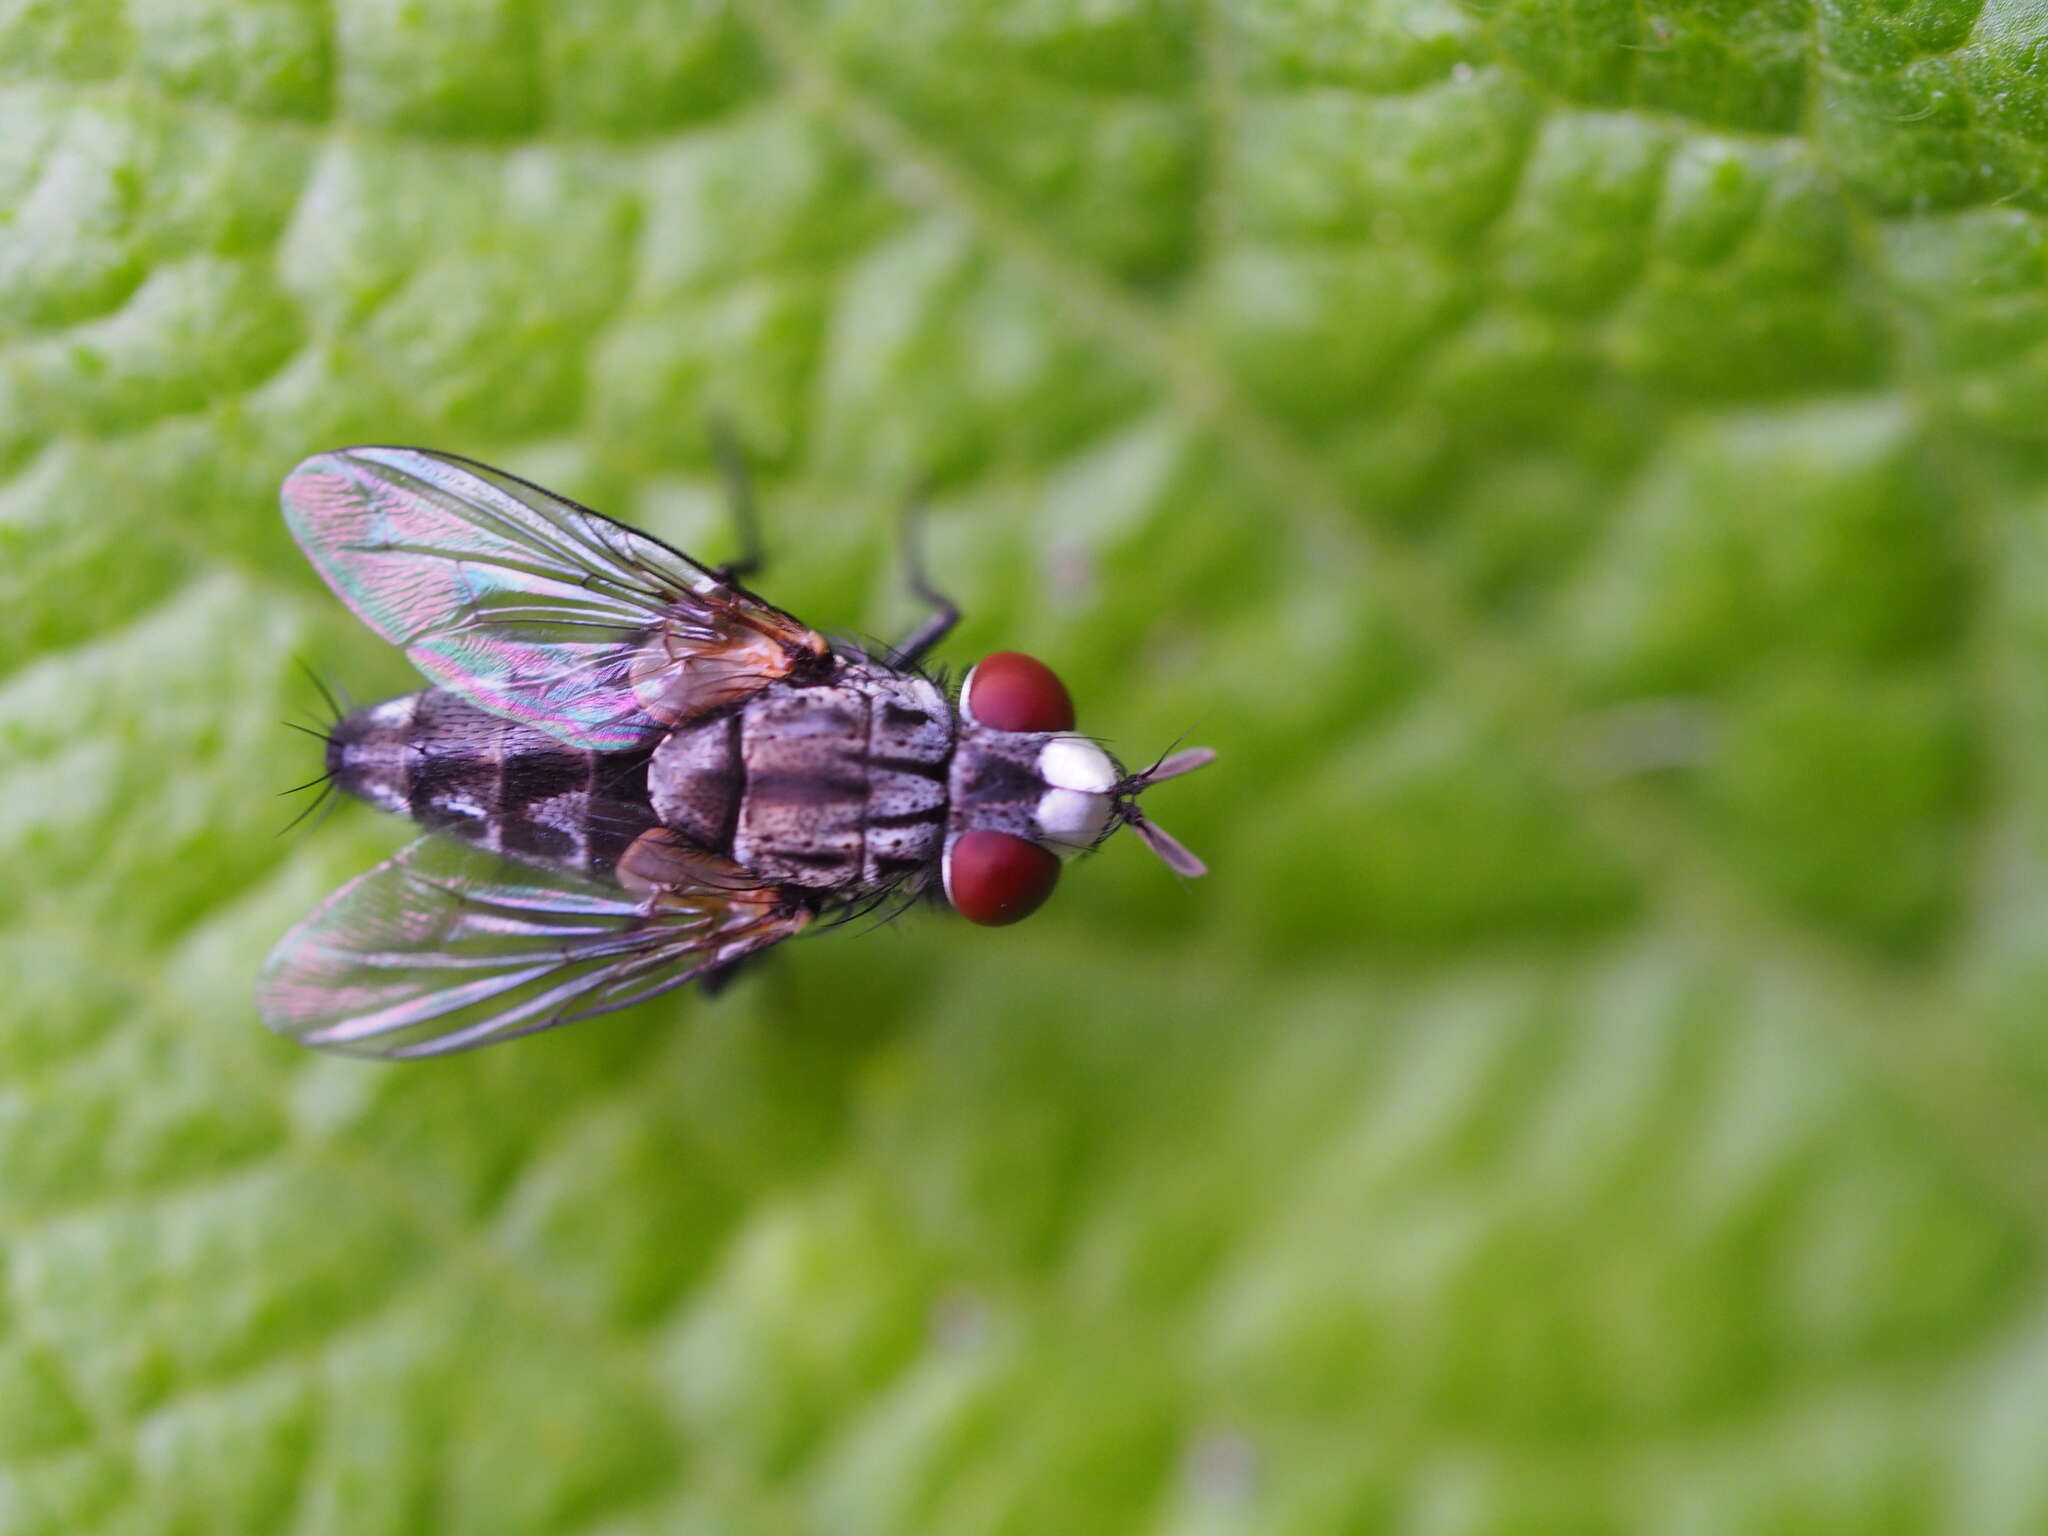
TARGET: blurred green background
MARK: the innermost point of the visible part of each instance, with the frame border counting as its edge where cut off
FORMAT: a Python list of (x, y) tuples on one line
[(1584, 465)]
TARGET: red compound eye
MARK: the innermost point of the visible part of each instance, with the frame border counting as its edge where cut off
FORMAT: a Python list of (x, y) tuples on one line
[(993, 878), (1010, 691)]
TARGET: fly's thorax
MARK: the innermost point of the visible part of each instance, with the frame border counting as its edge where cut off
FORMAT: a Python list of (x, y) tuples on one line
[(1052, 788), (910, 746), (839, 785)]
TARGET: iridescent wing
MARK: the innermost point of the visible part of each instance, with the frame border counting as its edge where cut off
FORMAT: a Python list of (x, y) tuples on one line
[(531, 606), (445, 946)]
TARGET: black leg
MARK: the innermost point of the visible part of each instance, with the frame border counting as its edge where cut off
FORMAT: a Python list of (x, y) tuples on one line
[(945, 612), (719, 977), (739, 500)]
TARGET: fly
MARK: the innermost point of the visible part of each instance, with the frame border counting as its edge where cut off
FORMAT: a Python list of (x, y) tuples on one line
[(634, 773)]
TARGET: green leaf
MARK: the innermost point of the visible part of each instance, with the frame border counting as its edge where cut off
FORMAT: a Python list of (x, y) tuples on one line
[(1582, 465)]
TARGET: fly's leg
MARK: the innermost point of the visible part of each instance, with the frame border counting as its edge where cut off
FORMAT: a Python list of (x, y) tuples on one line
[(945, 612), (719, 977), (739, 501)]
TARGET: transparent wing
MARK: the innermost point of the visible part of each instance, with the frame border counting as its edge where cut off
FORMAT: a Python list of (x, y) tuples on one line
[(444, 946), (529, 605)]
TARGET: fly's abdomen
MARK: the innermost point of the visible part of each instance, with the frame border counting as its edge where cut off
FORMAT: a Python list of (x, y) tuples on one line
[(694, 782), (459, 770)]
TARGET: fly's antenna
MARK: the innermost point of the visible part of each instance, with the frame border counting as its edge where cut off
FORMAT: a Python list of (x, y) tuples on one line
[(1171, 851)]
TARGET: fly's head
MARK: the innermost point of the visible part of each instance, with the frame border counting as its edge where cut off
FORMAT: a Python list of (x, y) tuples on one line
[(1028, 792)]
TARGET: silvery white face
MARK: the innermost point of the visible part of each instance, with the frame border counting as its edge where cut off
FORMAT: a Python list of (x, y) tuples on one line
[(1021, 802), (1053, 788), (1080, 782)]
